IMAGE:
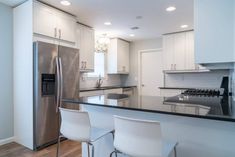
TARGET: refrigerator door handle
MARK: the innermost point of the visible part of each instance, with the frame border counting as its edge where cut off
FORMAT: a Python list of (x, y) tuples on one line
[(58, 84), (61, 81)]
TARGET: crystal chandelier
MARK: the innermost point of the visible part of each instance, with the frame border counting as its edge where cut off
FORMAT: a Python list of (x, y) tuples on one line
[(102, 43)]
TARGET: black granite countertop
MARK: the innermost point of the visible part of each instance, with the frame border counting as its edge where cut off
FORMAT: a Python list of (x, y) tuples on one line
[(215, 108), (103, 88), (179, 88)]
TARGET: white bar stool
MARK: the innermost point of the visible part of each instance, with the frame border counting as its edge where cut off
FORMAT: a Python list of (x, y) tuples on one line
[(75, 125), (140, 138)]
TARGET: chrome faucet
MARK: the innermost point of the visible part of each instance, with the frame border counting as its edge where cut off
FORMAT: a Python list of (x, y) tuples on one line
[(99, 82)]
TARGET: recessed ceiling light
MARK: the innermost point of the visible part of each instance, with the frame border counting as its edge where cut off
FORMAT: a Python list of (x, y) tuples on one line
[(107, 23), (65, 3), (139, 17), (184, 26), (171, 8), (135, 28), (132, 35)]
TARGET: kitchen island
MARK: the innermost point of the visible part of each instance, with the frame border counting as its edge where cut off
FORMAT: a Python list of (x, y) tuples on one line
[(203, 126)]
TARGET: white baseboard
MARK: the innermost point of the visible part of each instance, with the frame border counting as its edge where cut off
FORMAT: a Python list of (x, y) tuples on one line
[(7, 140)]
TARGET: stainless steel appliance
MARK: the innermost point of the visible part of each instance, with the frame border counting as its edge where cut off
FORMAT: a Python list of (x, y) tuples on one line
[(56, 76)]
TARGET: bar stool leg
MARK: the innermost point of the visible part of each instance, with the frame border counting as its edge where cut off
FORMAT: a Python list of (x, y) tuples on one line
[(88, 149), (175, 153), (58, 147), (92, 150), (115, 151)]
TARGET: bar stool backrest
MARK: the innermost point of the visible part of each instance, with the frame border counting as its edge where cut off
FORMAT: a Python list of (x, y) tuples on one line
[(138, 138), (75, 125)]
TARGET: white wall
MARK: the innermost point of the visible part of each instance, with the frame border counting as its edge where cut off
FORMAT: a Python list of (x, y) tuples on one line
[(110, 80), (23, 74), (6, 72), (211, 79), (135, 47)]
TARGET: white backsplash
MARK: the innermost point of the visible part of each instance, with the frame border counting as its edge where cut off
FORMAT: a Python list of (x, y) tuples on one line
[(109, 80), (199, 80)]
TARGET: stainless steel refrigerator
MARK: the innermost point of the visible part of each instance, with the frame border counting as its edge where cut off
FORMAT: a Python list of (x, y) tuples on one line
[(56, 76)]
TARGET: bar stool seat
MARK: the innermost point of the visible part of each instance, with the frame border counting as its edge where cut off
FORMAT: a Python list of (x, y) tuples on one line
[(141, 138), (97, 133), (168, 147), (75, 125)]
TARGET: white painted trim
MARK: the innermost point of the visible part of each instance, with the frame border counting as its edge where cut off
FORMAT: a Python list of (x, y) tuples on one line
[(139, 65), (7, 140)]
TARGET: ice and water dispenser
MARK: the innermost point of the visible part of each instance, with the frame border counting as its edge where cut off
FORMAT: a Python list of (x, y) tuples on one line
[(48, 85)]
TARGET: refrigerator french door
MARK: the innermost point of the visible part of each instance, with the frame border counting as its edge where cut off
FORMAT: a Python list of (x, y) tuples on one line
[(56, 76)]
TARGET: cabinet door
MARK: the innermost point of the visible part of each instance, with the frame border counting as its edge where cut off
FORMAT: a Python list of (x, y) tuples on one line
[(189, 51), (87, 48), (179, 55), (44, 20), (168, 55), (123, 56), (214, 31), (66, 27)]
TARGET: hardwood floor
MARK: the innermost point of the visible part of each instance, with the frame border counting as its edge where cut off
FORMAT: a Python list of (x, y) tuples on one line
[(67, 149)]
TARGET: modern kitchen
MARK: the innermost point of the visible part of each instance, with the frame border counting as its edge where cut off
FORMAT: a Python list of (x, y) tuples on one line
[(106, 78)]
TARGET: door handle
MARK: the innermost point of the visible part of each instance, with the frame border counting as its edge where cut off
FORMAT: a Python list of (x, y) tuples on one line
[(61, 81), (142, 85), (82, 65), (59, 33), (55, 32), (58, 84)]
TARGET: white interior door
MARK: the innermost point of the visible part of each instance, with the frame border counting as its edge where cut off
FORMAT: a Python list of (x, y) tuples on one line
[(151, 73)]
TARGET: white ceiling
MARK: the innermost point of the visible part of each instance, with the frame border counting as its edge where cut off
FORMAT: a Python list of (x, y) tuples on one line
[(12, 3), (122, 14)]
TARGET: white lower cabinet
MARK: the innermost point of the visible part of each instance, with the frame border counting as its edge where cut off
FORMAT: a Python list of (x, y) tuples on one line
[(116, 91), (91, 93), (101, 92)]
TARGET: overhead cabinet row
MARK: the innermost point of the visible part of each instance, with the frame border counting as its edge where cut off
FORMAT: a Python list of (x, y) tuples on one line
[(179, 52), (55, 26), (53, 23)]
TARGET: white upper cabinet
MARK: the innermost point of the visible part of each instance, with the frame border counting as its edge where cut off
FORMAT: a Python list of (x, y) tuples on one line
[(189, 51), (118, 57), (53, 23), (44, 20), (86, 45), (168, 48), (179, 51), (214, 31)]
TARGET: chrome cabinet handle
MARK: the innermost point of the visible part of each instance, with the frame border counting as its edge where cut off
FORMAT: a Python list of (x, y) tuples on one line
[(58, 84), (59, 33), (124, 68), (55, 32), (171, 66), (85, 65), (61, 82)]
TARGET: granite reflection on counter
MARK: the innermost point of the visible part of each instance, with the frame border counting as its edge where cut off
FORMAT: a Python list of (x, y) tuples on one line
[(217, 108)]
